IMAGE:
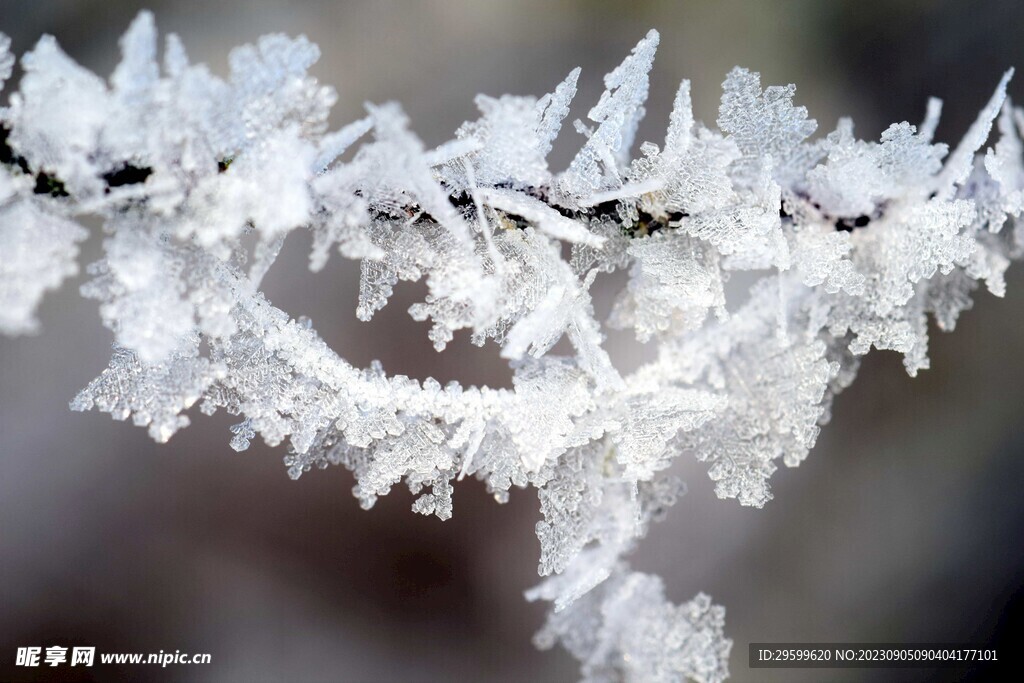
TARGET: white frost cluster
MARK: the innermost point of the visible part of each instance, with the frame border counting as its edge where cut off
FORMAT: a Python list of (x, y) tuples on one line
[(197, 181)]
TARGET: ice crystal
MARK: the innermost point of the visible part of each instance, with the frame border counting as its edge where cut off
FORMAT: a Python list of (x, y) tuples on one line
[(598, 165), (625, 629), (197, 180), (39, 250)]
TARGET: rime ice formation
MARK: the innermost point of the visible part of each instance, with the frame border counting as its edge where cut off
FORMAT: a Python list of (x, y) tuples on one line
[(855, 243)]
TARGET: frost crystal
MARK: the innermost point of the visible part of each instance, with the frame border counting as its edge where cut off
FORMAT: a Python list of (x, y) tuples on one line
[(853, 244), (626, 630), (39, 251)]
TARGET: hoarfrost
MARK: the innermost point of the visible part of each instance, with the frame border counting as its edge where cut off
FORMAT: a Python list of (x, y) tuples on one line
[(855, 243)]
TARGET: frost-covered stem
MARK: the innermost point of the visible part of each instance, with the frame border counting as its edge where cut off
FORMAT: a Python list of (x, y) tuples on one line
[(854, 243)]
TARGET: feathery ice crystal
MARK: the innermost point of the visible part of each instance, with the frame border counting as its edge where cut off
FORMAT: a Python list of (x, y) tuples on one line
[(855, 242)]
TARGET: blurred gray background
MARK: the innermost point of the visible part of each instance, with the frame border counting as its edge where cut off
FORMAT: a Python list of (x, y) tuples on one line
[(904, 525)]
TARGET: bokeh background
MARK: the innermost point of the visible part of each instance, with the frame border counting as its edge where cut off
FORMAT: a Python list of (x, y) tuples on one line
[(903, 526)]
